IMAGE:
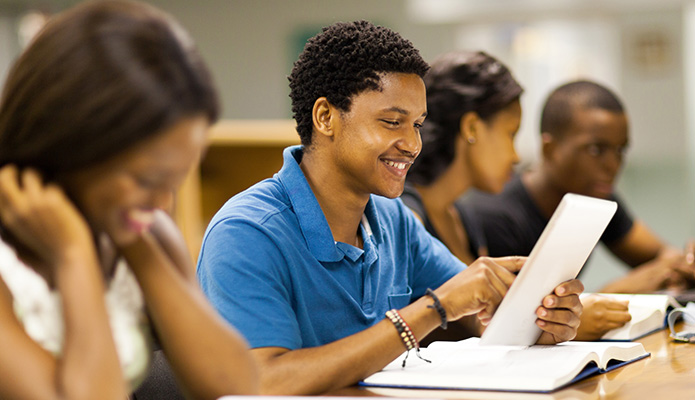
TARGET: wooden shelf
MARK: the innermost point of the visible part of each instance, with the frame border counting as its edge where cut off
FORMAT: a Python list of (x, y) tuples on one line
[(240, 154)]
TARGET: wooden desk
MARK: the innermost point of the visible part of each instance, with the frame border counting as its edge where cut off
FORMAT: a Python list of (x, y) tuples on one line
[(240, 153), (668, 374)]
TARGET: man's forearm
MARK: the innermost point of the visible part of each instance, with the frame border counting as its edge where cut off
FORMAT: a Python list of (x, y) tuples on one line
[(341, 363)]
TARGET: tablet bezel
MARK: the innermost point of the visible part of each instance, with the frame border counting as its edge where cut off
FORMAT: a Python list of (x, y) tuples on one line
[(559, 254)]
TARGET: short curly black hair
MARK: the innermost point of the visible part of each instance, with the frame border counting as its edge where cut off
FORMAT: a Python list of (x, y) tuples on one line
[(343, 60)]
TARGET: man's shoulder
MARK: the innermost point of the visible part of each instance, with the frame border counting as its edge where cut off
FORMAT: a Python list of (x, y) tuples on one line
[(256, 204), (257, 221)]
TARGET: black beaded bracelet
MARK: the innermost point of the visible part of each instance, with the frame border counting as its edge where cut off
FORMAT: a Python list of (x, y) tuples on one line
[(437, 306)]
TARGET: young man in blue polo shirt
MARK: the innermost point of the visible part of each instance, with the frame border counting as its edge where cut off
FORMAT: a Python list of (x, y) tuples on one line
[(307, 264)]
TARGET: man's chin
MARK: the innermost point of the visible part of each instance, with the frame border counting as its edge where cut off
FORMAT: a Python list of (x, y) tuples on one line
[(393, 193)]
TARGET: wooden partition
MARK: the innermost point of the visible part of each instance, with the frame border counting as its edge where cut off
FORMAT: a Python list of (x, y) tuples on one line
[(241, 153)]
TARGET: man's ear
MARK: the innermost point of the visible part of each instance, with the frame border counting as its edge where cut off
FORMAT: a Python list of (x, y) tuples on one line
[(469, 126), (548, 144), (324, 115)]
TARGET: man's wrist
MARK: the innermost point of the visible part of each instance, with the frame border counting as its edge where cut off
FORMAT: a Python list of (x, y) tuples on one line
[(437, 306)]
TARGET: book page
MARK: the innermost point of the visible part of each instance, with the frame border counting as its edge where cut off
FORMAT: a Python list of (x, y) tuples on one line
[(468, 365), (606, 350)]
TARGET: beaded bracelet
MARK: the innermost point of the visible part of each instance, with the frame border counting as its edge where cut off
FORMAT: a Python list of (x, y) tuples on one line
[(437, 306), (405, 333)]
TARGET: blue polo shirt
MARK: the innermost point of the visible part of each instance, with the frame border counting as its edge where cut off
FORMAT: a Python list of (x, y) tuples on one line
[(270, 266)]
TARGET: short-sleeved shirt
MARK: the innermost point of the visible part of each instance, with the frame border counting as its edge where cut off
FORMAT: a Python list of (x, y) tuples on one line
[(511, 222), (271, 268)]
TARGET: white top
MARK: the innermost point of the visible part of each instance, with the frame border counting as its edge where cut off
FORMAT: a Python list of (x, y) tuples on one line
[(40, 311)]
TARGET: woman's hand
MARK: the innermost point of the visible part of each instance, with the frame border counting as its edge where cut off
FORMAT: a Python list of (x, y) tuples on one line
[(601, 314), (44, 222), (41, 216)]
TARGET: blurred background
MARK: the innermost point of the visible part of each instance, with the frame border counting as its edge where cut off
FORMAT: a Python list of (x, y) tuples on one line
[(642, 49)]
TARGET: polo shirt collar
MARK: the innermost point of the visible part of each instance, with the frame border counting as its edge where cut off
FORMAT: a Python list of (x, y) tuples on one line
[(373, 217), (312, 221)]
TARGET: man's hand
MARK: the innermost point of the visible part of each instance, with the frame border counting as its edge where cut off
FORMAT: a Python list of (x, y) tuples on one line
[(560, 312), (479, 289), (601, 314), (671, 269)]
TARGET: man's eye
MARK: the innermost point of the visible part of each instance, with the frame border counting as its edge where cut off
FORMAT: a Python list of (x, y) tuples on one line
[(391, 122)]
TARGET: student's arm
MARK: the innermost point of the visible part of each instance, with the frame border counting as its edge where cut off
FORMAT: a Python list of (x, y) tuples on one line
[(655, 264), (207, 356), (341, 363), (638, 246), (44, 221), (474, 291)]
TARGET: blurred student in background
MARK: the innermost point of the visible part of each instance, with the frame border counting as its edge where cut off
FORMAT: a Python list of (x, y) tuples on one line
[(468, 142), (584, 136), (101, 118)]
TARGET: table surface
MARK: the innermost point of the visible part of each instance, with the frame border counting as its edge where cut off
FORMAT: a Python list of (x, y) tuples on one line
[(669, 373)]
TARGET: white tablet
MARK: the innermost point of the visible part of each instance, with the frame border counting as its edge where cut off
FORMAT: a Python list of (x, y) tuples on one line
[(558, 255)]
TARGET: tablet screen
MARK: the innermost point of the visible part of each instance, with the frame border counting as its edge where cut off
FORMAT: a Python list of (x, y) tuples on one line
[(558, 255)]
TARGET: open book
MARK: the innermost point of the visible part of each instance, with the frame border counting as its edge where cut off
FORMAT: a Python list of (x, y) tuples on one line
[(592, 389), (468, 365), (648, 313)]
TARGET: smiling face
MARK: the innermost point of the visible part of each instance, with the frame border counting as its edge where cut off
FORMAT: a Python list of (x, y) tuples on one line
[(492, 157), (376, 142), (587, 158), (118, 196)]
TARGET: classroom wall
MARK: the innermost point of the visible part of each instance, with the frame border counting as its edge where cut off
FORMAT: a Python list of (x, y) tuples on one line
[(251, 45), (654, 180)]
